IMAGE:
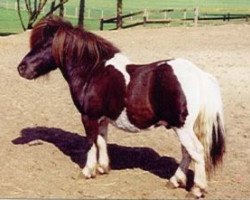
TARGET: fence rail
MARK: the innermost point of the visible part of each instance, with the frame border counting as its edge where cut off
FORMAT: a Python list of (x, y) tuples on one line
[(147, 18), (68, 12), (131, 19)]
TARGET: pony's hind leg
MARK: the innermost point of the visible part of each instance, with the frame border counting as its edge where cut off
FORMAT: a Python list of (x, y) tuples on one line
[(179, 179), (195, 149)]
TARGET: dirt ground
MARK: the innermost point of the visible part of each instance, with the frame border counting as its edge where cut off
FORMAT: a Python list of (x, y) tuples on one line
[(42, 138)]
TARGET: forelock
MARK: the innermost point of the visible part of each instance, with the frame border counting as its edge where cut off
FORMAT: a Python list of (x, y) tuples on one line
[(46, 28)]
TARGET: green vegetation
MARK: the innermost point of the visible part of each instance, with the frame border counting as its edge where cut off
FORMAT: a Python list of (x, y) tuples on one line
[(95, 9), (9, 21)]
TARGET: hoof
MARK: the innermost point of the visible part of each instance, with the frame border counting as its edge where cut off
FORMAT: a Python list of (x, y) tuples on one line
[(175, 182), (89, 172), (172, 183), (190, 195), (195, 193), (103, 169)]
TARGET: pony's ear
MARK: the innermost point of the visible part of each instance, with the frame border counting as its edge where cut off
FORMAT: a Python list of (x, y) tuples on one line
[(46, 28)]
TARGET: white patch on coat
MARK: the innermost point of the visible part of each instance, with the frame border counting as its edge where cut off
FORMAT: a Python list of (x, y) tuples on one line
[(161, 63), (203, 99), (189, 77), (204, 105), (123, 123), (120, 61)]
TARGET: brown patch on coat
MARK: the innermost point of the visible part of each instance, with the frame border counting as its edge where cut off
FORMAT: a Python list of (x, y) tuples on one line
[(155, 94)]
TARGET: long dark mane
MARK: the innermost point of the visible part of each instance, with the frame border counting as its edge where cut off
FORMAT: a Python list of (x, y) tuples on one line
[(46, 29), (86, 49)]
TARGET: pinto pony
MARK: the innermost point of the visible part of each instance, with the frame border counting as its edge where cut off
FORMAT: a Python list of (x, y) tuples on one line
[(107, 88)]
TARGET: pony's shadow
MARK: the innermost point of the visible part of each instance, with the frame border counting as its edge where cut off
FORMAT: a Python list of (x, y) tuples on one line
[(121, 157)]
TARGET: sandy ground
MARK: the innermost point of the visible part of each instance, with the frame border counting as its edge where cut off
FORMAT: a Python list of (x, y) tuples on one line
[(42, 138)]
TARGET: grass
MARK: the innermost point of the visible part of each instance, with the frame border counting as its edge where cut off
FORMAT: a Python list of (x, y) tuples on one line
[(9, 21)]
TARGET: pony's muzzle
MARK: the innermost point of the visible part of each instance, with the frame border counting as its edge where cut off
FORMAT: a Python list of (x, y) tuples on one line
[(24, 72)]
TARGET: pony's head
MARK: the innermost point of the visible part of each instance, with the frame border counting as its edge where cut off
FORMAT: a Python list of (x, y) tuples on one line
[(40, 60), (56, 43)]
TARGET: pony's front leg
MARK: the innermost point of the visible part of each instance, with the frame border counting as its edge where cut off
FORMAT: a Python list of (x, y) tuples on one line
[(97, 156), (91, 129), (103, 160)]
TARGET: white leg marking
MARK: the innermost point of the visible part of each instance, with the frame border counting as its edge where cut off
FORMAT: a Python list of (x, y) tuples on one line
[(178, 179), (180, 174), (89, 171), (173, 182), (186, 160), (103, 155), (181, 177), (189, 140), (195, 193)]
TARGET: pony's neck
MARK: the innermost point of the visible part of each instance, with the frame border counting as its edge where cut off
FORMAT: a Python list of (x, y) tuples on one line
[(82, 71), (82, 53)]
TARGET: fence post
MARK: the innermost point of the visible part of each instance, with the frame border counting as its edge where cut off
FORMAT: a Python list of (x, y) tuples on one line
[(101, 24), (24, 7), (184, 17), (144, 20), (185, 14), (146, 14), (102, 14), (76, 12), (119, 14), (131, 17), (89, 13), (247, 18), (165, 15), (196, 16)]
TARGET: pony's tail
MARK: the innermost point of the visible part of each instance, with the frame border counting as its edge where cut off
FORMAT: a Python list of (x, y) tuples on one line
[(209, 125)]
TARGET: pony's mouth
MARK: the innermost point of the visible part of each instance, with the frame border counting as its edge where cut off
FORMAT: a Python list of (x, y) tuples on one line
[(29, 77)]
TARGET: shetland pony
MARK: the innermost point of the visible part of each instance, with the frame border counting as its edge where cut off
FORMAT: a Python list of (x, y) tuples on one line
[(107, 88)]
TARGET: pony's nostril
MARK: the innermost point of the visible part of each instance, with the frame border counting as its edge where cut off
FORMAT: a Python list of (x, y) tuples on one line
[(21, 69)]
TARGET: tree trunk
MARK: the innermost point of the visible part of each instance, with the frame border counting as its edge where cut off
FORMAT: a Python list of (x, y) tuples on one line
[(119, 14), (61, 10), (81, 13), (35, 10), (52, 7), (19, 14)]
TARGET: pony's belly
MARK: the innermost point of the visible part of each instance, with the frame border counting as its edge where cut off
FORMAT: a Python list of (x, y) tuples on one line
[(122, 122)]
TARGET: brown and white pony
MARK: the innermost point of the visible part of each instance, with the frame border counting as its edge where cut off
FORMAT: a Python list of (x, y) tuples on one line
[(107, 88)]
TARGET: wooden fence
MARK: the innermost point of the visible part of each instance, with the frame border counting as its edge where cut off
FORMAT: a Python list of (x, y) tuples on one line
[(146, 19), (119, 24)]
